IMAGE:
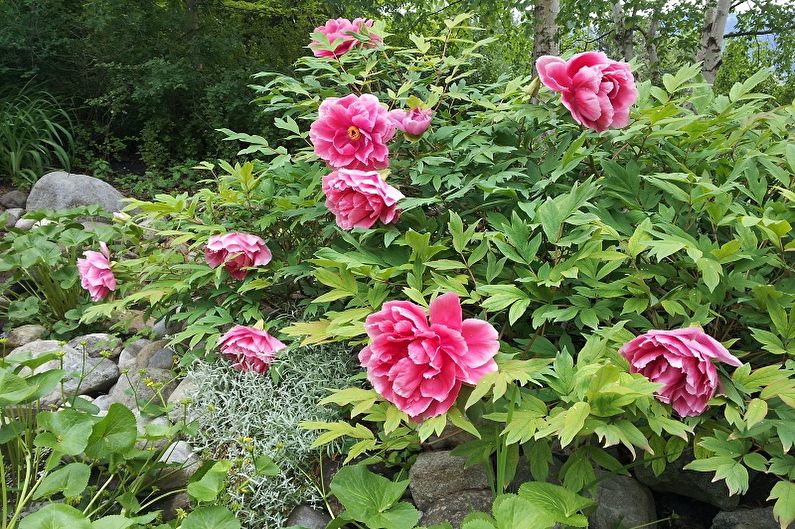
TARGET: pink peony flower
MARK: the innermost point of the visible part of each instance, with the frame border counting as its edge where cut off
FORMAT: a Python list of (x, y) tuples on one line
[(680, 360), (414, 122), (352, 132), (342, 29), (359, 199), (420, 367), (597, 91), (236, 251), (95, 273), (249, 349)]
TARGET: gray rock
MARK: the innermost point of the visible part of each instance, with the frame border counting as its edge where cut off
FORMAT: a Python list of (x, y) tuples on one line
[(14, 199), (689, 483), (180, 398), (182, 461), (452, 436), (61, 190), (127, 358), (174, 503), (154, 424), (455, 507), (622, 502), (306, 516), (25, 334), (103, 402), (746, 519), (25, 224), (13, 216), (148, 351), (97, 343), (439, 474), (162, 359), (146, 386), (84, 374)]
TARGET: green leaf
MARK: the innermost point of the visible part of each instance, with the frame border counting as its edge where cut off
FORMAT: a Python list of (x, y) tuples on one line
[(66, 431), (511, 511), (573, 422), (711, 271), (115, 433), (13, 388), (559, 502), (784, 509), (756, 412), (371, 498), (70, 481), (211, 483), (211, 518), (55, 516), (265, 466)]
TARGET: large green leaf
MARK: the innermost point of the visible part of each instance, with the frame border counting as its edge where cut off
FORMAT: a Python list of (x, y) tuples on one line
[(211, 518), (559, 502), (66, 431), (55, 516), (70, 481), (115, 433)]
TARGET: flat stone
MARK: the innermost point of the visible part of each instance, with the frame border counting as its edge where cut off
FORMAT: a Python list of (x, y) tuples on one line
[(183, 463), (440, 474), (129, 354), (25, 224), (308, 518), (162, 359), (14, 199), (147, 351), (455, 507), (13, 216), (61, 190), (84, 374), (746, 519), (622, 501), (148, 386), (24, 334), (180, 399), (696, 485), (96, 344)]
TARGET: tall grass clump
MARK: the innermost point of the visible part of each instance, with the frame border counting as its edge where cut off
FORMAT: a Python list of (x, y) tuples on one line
[(35, 135)]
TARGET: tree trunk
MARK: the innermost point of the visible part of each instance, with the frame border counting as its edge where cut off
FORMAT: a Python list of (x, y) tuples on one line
[(545, 29), (709, 53), (652, 58), (623, 33)]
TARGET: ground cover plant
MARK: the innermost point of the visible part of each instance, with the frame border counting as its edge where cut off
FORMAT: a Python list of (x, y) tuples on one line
[(574, 264)]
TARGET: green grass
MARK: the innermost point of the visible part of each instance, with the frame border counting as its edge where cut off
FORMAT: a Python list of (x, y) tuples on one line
[(34, 137)]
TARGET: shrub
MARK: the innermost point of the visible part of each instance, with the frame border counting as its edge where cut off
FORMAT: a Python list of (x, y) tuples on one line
[(569, 243), (242, 416)]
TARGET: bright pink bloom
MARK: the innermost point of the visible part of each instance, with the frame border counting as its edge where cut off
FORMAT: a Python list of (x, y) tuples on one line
[(420, 367), (680, 360), (414, 122), (95, 273), (359, 199), (249, 349), (237, 251), (352, 132), (342, 29), (597, 91)]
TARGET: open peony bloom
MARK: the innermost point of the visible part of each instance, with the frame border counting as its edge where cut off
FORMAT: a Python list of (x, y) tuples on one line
[(359, 199), (414, 122), (249, 349), (341, 29), (352, 132), (236, 251), (680, 360), (420, 367), (597, 91), (95, 273)]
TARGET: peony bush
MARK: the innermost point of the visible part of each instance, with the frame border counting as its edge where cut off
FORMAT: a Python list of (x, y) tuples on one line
[(559, 265)]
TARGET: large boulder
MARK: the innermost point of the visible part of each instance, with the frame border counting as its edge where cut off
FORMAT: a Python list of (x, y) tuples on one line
[(455, 507), (622, 502), (98, 344), (440, 474), (23, 334), (14, 199), (746, 519), (696, 485), (61, 190)]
